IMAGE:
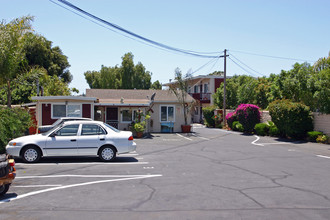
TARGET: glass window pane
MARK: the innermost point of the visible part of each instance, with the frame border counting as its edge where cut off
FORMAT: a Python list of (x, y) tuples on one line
[(163, 113), (127, 115), (59, 111), (170, 114), (69, 130), (206, 88), (90, 130), (74, 111)]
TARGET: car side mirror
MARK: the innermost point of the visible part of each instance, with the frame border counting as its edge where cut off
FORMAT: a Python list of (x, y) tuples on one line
[(52, 134)]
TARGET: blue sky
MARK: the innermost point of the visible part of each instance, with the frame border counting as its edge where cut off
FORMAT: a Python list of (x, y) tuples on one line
[(288, 28)]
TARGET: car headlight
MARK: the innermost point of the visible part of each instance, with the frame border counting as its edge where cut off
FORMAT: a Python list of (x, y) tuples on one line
[(12, 143)]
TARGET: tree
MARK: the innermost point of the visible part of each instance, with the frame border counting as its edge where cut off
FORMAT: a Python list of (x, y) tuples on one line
[(11, 50), (127, 76), (39, 52), (156, 85), (127, 71), (322, 63), (25, 86), (180, 90)]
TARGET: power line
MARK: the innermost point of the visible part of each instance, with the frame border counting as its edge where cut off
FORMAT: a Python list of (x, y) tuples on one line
[(241, 67), (270, 56), (155, 43), (215, 60), (241, 62)]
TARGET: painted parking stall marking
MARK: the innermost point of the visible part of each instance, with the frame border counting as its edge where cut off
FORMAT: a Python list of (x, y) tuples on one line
[(121, 178), (322, 156)]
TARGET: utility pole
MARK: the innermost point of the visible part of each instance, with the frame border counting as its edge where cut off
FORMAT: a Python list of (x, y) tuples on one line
[(224, 88)]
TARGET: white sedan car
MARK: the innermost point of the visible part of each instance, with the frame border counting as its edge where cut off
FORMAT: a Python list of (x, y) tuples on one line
[(74, 138)]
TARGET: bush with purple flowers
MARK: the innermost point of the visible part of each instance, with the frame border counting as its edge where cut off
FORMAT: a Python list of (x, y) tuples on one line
[(231, 117), (248, 115)]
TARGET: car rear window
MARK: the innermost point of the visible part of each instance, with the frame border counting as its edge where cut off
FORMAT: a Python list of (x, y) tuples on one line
[(112, 128)]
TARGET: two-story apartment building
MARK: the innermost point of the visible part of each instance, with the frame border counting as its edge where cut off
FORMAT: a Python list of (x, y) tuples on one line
[(202, 88)]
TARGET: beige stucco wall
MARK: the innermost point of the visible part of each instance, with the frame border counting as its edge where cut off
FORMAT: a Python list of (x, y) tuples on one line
[(155, 125), (322, 123)]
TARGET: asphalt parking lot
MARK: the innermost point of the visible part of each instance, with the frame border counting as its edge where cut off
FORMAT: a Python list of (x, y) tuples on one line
[(210, 174)]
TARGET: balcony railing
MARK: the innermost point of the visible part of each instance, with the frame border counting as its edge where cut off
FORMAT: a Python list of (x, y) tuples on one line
[(202, 97)]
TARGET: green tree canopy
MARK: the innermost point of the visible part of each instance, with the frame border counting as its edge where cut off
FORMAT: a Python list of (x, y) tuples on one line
[(156, 85), (26, 58), (303, 83), (39, 52), (126, 76)]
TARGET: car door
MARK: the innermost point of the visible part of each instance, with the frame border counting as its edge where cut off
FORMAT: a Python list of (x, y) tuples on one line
[(63, 142), (91, 137)]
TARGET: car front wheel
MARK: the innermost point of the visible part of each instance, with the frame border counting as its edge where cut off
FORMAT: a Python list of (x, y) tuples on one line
[(31, 154), (107, 153), (3, 189)]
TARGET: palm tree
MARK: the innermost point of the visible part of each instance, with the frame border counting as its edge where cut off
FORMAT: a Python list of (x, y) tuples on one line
[(11, 50)]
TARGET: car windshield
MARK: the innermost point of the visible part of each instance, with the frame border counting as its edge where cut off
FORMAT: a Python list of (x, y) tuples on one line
[(56, 122), (112, 128), (50, 131)]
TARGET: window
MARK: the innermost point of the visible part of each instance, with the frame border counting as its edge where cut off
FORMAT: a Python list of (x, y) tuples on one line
[(127, 115), (92, 130), (69, 130), (73, 111), (59, 111), (206, 88), (62, 110), (196, 89), (167, 113)]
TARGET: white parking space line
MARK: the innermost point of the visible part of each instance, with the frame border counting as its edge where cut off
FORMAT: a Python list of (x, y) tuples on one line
[(89, 163), (76, 185), (323, 156), (204, 138), (254, 142), (74, 175), (184, 137), (263, 144)]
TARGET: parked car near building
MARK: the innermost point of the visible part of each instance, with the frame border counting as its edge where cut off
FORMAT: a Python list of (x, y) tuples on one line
[(7, 173), (74, 138), (45, 128)]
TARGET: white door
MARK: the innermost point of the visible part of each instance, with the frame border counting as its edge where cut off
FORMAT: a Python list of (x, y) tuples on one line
[(91, 138), (63, 142)]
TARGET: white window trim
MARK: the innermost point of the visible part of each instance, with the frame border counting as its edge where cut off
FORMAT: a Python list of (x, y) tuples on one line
[(160, 113), (66, 110)]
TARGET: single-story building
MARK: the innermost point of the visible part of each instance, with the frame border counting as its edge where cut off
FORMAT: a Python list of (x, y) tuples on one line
[(51, 108), (116, 107)]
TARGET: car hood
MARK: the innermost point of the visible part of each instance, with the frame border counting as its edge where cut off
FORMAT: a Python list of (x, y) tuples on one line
[(29, 138)]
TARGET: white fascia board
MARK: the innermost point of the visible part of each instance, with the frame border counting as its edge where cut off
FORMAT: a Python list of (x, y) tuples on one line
[(120, 105), (52, 98)]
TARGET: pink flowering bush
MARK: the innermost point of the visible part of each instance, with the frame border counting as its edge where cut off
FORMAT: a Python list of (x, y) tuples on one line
[(231, 117), (248, 115)]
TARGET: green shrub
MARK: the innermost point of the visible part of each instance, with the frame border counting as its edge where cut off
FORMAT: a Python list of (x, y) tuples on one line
[(237, 126), (248, 115), (292, 119), (261, 129), (208, 113), (273, 131), (313, 135), (234, 125), (13, 123)]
